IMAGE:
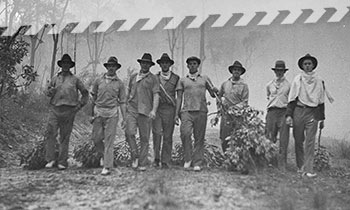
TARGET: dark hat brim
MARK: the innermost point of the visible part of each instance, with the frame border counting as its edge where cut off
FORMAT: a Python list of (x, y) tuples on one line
[(231, 67), (111, 64), (276, 69), (165, 60), (313, 59), (72, 63), (144, 60)]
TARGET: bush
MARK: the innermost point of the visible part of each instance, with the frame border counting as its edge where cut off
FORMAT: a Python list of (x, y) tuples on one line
[(322, 159), (86, 154), (248, 145), (212, 155), (342, 149), (35, 159)]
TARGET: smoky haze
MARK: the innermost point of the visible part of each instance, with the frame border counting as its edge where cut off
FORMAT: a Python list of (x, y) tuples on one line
[(257, 47)]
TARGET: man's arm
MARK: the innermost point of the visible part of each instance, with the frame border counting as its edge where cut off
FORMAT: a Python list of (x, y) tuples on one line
[(268, 92), (155, 91), (84, 93), (245, 95), (51, 88), (213, 91), (179, 94)]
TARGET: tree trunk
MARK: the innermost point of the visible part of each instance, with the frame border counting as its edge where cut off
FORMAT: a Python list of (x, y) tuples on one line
[(202, 46), (32, 50), (54, 52), (183, 51), (61, 43), (94, 65), (75, 52)]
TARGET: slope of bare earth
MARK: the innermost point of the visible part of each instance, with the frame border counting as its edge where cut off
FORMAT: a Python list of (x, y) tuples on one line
[(175, 188)]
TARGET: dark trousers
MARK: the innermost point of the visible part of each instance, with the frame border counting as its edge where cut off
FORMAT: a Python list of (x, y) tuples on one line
[(141, 122), (193, 122), (60, 118), (304, 130), (276, 124), (227, 126), (163, 126)]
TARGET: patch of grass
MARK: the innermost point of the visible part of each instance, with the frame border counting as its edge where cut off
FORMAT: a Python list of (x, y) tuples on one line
[(320, 200), (341, 149)]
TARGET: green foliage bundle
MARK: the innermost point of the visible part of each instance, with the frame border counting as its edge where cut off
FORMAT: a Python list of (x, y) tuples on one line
[(2, 160), (248, 145), (12, 51), (212, 155), (322, 159), (122, 155), (35, 159), (86, 154)]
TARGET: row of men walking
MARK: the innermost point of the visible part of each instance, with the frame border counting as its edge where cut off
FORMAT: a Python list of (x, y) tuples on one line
[(156, 102)]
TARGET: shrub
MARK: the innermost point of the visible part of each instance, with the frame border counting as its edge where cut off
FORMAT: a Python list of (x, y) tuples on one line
[(322, 159), (212, 155), (86, 154), (35, 159), (342, 149), (248, 145)]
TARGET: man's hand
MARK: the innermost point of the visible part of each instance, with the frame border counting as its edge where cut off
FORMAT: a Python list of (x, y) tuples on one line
[(51, 91), (289, 121), (152, 115), (177, 120), (92, 119), (215, 90), (321, 125), (78, 107), (214, 121)]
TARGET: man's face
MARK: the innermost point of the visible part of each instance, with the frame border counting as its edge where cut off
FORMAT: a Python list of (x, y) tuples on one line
[(65, 66), (112, 69), (145, 66), (165, 66), (279, 73), (192, 66), (236, 72), (308, 65)]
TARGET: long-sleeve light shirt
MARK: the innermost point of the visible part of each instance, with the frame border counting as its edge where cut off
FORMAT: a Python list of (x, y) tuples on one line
[(277, 93), (234, 93)]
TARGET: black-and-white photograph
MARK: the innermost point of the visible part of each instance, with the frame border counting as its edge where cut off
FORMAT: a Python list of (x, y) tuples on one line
[(175, 104)]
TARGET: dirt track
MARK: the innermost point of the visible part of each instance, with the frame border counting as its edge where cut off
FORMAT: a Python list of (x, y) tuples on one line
[(78, 188)]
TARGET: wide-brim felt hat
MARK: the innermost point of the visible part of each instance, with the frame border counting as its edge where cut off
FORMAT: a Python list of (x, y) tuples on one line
[(307, 57), (147, 57), (112, 61), (237, 64), (280, 65), (193, 58), (66, 59), (165, 58)]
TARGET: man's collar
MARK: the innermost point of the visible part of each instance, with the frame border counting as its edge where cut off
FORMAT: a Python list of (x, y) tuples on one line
[(280, 79), (235, 81), (115, 77), (62, 72)]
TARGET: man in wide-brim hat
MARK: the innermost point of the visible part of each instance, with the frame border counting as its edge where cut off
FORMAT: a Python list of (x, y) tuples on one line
[(237, 65), (305, 112), (146, 58), (277, 96), (233, 93), (64, 103), (108, 93), (191, 91), (163, 124), (143, 99)]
